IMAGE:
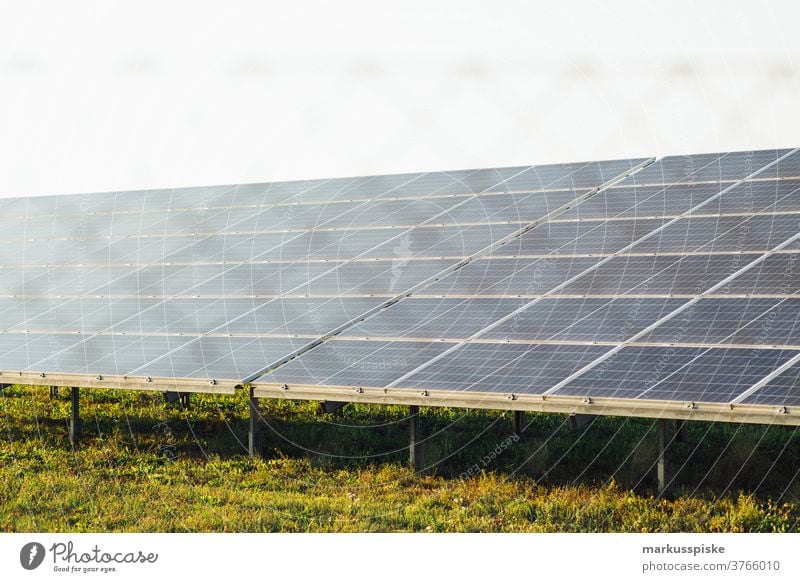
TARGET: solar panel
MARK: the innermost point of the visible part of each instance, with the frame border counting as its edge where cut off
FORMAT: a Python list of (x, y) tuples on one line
[(521, 277), (682, 374), (254, 272), (577, 238), (620, 281), (714, 234), (649, 293), (784, 390), (756, 322)]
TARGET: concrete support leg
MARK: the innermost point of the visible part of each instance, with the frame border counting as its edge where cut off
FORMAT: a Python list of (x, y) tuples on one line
[(519, 422), (75, 419), (252, 434), (664, 469), (415, 438)]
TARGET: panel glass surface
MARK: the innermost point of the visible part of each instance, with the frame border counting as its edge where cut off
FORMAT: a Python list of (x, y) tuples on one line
[(723, 234), (81, 354), (516, 368), (757, 196), (510, 277), (566, 319), (643, 202), (761, 322), (356, 363), (707, 167), (688, 275), (783, 390), (572, 238), (189, 316), (434, 318), (678, 374), (230, 358)]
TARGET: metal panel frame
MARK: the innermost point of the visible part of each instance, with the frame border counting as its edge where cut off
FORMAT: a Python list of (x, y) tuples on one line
[(714, 412), (155, 384)]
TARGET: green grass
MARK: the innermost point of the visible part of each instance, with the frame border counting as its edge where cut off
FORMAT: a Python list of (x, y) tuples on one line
[(143, 465)]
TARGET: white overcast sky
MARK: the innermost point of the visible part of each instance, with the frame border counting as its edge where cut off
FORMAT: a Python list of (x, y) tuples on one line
[(99, 96)]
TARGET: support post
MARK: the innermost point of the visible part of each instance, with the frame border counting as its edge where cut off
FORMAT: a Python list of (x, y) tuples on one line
[(664, 468), (331, 406), (414, 444), (53, 392), (75, 419), (680, 431), (185, 400), (519, 422), (252, 435), (580, 421)]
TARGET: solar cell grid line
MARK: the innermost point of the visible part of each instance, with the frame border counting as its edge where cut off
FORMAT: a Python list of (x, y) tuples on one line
[(464, 178), (98, 287), (585, 319), (770, 322), (654, 201), (781, 391), (414, 380), (231, 248), (699, 235), (682, 375), (709, 167), (633, 246), (573, 238), (134, 271), (382, 214), (708, 235), (281, 242), (289, 203), (719, 364), (288, 193), (670, 315), (683, 366), (466, 191), (167, 354), (686, 275), (194, 235), (767, 379), (432, 380), (187, 316), (760, 197), (313, 344), (567, 282), (576, 168), (555, 320)]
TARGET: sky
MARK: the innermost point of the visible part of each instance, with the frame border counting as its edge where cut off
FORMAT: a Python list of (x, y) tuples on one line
[(99, 96)]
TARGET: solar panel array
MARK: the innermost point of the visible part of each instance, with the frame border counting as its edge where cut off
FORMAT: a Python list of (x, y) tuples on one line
[(674, 280), (220, 283)]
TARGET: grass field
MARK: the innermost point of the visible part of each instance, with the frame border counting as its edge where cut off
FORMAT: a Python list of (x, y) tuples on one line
[(143, 465)]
